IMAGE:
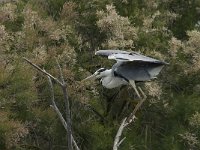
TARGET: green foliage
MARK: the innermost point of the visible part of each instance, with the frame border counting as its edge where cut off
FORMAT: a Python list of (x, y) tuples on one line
[(189, 17), (16, 25), (72, 31)]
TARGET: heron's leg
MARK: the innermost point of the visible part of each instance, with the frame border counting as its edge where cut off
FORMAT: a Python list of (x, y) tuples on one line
[(132, 82)]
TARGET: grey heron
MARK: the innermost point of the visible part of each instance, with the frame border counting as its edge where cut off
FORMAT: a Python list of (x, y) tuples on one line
[(130, 67)]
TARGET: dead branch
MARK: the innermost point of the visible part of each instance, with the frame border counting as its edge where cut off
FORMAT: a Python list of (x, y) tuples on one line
[(63, 85), (67, 105), (119, 133), (54, 106), (126, 121), (60, 70), (43, 71)]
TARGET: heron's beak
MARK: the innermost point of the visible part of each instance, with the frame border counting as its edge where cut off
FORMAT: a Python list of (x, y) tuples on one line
[(92, 77)]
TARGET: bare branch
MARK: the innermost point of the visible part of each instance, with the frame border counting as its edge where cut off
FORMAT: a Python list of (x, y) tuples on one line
[(127, 121), (54, 106), (60, 70), (118, 135), (43, 71), (64, 89), (121, 141), (67, 106), (75, 144)]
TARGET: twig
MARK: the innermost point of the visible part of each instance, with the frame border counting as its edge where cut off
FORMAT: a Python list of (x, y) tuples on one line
[(43, 71), (60, 70), (121, 141)]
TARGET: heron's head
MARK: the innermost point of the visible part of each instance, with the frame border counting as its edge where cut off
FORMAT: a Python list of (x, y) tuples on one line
[(97, 75)]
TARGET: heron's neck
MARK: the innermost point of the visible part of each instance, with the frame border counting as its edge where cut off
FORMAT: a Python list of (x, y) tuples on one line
[(106, 73)]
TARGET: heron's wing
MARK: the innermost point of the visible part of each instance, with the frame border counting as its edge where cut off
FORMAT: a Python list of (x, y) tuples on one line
[(133, 57), (110, 52), (125, 56), (138, 70), (132, 65)]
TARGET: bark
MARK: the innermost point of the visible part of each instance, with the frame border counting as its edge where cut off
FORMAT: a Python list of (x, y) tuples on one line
[(62, 83), (67, 106), (54, 106)]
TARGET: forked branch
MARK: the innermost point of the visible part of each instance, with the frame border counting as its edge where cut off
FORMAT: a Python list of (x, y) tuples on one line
[(54, 106), (126, 121), (67, 123)]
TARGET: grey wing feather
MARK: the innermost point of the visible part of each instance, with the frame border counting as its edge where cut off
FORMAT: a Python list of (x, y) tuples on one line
[(119, 55), (132, 65), (138, 71), (133, 57), (110, 52)]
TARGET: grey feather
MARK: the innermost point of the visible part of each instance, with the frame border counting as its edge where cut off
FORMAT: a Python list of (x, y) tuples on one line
[(138, 71), (119, 55), (132, 65), (110, 52)]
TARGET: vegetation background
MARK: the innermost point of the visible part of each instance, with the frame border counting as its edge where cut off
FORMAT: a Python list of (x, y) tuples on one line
[(71, 31)]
